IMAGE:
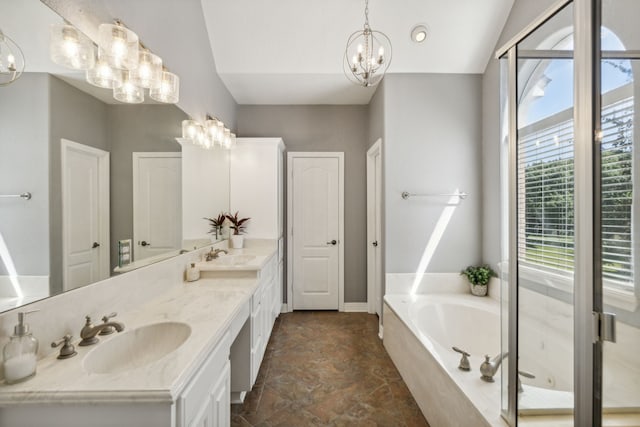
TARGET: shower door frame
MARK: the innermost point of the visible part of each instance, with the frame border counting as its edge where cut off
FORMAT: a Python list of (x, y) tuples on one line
[(587, 275)]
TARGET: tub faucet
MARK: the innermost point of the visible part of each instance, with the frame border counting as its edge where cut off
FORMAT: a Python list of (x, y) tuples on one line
[(490, 366), (89, 331)]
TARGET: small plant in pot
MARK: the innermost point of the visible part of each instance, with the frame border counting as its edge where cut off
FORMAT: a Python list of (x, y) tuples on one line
[(479, 276), (216, 225), (238, 225)]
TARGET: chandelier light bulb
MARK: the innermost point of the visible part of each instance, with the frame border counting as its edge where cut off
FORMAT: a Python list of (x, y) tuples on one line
[(11, 60), (149, 71)]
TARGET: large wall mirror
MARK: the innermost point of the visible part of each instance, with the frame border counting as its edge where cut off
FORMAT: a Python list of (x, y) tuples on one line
[(105, 178)]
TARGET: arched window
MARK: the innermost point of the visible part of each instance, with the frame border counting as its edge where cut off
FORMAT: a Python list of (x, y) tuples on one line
[(545, 116)]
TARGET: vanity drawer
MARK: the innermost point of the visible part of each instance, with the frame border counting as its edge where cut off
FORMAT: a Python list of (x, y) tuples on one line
[(199, 389)]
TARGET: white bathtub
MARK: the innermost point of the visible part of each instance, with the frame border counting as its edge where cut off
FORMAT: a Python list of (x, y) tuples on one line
[(419, 331)]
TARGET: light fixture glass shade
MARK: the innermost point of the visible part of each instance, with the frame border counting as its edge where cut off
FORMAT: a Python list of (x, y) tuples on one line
[(211, 129), (149, 70), (71, 48), (167, 90), (191, 129), (11, 60), (232, 140), (227, 139), (129, 92), (102, 75), (220, 135), (118, 46)]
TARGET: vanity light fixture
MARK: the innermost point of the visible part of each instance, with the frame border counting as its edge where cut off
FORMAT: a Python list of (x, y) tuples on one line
[(11, 60), (118, 46), (129, 92), (167, 89), (71, 48), (368, 54), (213, 133)]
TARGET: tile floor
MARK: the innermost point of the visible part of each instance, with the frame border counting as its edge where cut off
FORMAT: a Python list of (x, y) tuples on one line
[(327, 369)]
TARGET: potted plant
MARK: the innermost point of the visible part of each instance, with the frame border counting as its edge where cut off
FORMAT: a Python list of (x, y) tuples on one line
[(479, 276), (216, 224), (238, 226)]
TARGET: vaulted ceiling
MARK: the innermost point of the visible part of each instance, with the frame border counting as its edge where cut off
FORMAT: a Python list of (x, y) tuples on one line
[(290, 51)]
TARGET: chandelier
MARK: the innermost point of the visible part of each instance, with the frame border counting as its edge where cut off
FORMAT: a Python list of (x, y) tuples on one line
[(11, 60), (368, 54)]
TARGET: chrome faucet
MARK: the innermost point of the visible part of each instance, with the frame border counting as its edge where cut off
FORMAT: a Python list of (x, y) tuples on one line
[(490, 366), (89, 331), (215, 253)]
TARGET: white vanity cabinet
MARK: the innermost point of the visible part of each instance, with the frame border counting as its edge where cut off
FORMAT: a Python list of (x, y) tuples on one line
[(205, 401)]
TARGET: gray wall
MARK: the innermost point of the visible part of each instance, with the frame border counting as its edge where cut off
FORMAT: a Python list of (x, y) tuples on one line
[(80, 118), (135, 128), (24, 166), (432, 145), (522, 13), (326, 128)]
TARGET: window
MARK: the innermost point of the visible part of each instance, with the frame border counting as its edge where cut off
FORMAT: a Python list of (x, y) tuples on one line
[(546, 234)]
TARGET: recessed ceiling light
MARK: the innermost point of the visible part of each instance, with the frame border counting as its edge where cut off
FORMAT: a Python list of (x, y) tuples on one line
[(419, 33)]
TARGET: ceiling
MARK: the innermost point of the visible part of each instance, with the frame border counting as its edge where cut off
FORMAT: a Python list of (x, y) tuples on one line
[(290, 51)]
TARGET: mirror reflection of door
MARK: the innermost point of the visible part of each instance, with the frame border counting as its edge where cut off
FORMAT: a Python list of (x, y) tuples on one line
[(85, 210), (157, 204)]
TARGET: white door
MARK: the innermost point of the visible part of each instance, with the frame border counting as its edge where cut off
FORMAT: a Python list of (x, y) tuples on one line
[(85, 214), (157, 203), (374, 227), (316, 230)]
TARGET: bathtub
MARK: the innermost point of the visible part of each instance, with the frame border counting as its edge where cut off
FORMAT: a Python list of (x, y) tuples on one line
[(419, 331)]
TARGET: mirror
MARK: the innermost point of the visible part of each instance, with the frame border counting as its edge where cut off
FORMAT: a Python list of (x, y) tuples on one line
[(105, 178)]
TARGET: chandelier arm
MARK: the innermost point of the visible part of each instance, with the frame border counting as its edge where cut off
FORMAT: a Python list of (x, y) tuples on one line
[(19, 68)]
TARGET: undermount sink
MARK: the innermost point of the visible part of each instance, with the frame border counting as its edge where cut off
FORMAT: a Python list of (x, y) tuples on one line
[(234, 260), (136, 348)]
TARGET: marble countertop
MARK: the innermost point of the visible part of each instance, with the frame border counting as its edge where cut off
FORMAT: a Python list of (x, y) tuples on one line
[(259, 250), (208, 306)]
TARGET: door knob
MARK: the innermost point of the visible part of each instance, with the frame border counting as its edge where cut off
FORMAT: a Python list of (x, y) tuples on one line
[(333, 242), (375, 243), (143, 243), (95, 245)]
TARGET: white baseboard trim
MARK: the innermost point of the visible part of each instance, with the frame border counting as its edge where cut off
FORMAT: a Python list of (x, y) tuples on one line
[(380, 331), (237, 397), (356, 307)]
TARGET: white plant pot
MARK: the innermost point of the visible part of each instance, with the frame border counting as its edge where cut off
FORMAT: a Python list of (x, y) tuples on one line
[(236, 241)]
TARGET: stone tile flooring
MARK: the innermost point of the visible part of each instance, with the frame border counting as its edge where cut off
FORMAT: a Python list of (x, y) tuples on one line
[(327, 369)]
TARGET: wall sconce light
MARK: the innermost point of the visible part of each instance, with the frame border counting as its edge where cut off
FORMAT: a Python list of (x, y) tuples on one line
[(167, 89), (102, 75), (11, 60), (149, 69), (118, 45), (129, 92)]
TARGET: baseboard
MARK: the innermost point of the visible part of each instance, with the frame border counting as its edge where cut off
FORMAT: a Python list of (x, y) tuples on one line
[(237, 397), (380, 331), (356, 307)]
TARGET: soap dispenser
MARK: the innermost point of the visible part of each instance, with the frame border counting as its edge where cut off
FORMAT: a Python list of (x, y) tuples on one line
[(19, 354)]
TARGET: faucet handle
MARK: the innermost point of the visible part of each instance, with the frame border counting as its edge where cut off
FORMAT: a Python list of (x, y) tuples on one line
[(67, 350), (464, 361), (526, 374), (109, 329)]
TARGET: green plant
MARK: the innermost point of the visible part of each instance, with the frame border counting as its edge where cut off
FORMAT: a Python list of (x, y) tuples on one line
[(478, 275), (238, 224), (216, 223)]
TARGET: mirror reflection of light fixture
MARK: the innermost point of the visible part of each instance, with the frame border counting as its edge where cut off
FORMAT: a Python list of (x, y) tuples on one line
[(149, 69), (11, 60), (129, 92), (102, 75), (71, 48), (207, 136), (167, 89), (368, 54), (118, 46)]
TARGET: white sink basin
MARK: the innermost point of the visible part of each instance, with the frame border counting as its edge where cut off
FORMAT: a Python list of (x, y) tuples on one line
[(136, 348), (234, 260)]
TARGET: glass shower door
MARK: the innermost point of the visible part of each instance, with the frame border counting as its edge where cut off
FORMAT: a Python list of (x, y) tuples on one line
[(617, 292)]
